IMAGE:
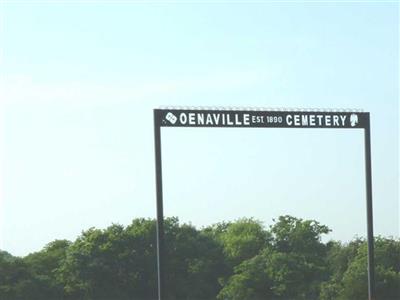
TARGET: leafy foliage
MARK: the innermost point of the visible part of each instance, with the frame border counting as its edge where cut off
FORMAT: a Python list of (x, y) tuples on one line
[(239, 260), (291, 266)]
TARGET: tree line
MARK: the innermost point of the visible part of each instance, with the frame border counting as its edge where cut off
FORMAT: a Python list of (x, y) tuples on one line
[(240, 260)]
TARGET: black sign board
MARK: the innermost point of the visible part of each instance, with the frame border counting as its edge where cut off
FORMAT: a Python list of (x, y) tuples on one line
[(259, 118), (248, 118)]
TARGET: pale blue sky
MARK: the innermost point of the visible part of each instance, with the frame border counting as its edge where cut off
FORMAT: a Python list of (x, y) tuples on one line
[(79, 82)]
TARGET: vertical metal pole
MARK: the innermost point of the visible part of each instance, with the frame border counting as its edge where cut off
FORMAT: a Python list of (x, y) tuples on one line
[(160, 215), (368, 177)]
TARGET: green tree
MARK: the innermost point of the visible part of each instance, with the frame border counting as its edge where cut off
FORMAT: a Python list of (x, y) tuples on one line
[(387, 272), (338, 259), (226, 261), (6, 257), (292, 234), (251, 280), (194, 262), (17, 282), (243, 239), (120, 263), (32, 277), (115, 263), (292, 267)]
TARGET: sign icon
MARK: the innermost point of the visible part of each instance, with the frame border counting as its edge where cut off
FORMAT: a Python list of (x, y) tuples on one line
[(353, 120), (171, 118)]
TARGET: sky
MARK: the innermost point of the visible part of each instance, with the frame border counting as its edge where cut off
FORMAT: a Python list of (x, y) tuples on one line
[(79, 82)]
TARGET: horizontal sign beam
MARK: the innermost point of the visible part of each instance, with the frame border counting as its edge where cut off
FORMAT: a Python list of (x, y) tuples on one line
[(260, 118)]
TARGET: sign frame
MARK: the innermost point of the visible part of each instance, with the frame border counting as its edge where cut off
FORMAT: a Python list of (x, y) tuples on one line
[(261, 118)]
